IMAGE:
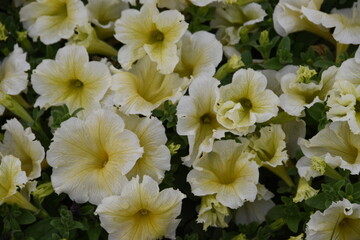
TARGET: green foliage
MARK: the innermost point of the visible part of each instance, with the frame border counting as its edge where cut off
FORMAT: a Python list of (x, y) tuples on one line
[(167, 114), (199, 18), (60, 114)]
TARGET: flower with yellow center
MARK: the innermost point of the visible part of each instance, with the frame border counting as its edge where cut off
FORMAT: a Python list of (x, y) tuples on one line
[(340, 221), (141, 211), (52, 20), (228, 171), (143, 88), (71, 79), (21, 143), (245, 101), (149, 32), (91, 157)]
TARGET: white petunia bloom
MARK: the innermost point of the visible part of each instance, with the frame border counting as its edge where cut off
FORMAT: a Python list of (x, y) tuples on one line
[(13, 76), (337, 145), (104, 13), (294, 130), (301, 92), (350, 69), (228, 171), (156, 157), (257, 210), (53, 20), (341, 221), (200, 53), (288, 16), (345, 21), (149, 32), (229, 20), (21, 143), (246, 101), (91, 157), (71, 79), (143, 88), (141, 211), (197, 118), (344, 104)]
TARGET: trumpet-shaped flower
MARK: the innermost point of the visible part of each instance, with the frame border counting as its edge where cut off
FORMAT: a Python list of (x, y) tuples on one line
[(344, 104), (300, 91), (199, 55), (229, 20), (270, 146), (350, 69), (156, 157), (21, 143), (53, 20), (337, 145), (228, 171), (339, 221), (71, 79), (141, 211), (212, 213), (345, 21), (143, 88), (246, 101), (149, 32), (91, 157), (197, 118)]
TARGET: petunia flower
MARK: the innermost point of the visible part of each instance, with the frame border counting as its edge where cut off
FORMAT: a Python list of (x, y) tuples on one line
[(156, 157), (141, 211), (246, 101), (13, 76), (71, 79), (341, 220), (91, 157), (350, 69), (197, 118), (143, 88), (228, 171), (21, 143), (53, 20), (149, 32)]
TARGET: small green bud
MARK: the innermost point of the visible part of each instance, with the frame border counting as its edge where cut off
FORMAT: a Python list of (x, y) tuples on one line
[(264, 38), (241, 236), (173, 148), (3, 32), (43, 191)]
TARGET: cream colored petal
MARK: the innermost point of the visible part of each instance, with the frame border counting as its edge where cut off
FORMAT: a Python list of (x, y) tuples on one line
[(172, 24), (164, 54)]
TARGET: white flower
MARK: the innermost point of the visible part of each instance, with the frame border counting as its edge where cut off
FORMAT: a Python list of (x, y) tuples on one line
[(156, 157), (71, 79), (345, 21), (53, 20), (21, 143), (91, 157), (337, 145), (143, 88), (228, 172), (350, 69), (149, 32), (340, 221), (197, 118), (200, 53), (293, 130), (141, 211), (245, 101)]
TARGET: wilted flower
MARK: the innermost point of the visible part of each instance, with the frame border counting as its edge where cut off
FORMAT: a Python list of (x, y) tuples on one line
[(340, 221), (141, 211), (143, 88), (149, 32), (71, 79), (91, 157), (53, 20), (21, 143), (228, 171), (304, 191)]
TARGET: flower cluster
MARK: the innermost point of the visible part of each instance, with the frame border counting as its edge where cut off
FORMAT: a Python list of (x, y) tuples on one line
[(180, 119)]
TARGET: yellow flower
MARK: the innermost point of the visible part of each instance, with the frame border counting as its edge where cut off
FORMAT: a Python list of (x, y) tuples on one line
[(21, 143), (149, 32), (71, 79), (91, 157), (228, 171), (52, 20), (141, 211)]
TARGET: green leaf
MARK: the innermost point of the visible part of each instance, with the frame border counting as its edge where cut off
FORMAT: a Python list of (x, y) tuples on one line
[(25, 217)]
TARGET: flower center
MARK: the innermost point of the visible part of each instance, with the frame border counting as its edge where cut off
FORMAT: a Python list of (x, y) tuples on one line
[(245, 103), (206, 118), (143, 212), (156, 36), (76, 83)]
